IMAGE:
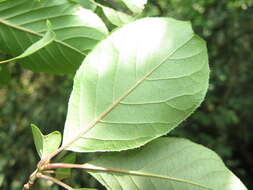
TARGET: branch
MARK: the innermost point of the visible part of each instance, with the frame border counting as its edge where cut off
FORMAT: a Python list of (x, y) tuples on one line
[(31, 181)]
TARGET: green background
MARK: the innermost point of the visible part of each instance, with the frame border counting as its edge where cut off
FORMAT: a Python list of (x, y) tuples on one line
[(223, 122)]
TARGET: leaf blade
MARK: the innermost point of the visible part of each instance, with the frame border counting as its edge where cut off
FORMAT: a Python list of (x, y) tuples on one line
[(136, 6), (43, 42), (165, 163), (78, 30), (45, 144), (116, 17), (140, 91)]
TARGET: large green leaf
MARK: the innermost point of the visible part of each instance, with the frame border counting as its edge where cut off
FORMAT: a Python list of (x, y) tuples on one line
[(137, 85), (45, 144), (77, 31), (166, 163)]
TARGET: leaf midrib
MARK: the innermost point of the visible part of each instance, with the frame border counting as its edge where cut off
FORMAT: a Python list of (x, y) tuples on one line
[(91, 167), (110, 108), (38, 34)]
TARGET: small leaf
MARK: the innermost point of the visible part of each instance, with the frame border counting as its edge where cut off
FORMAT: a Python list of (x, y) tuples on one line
[(45, 144), (116, 17), (165, 163), (62, 173), (137, 85), (43, 42), (136, 6)]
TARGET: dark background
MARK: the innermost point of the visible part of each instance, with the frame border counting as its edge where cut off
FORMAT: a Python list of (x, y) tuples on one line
[(223, 122)]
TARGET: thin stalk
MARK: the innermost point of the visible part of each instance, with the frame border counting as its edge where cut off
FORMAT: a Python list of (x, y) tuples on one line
[(41, 176), (89, 167)]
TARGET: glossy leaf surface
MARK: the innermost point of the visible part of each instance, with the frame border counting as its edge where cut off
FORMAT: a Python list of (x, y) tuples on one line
[(45, 144), (166, 163), (137, 85), (78, 30)]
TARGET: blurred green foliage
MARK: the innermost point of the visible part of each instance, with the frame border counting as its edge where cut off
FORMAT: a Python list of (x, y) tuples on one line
[(223, 122)]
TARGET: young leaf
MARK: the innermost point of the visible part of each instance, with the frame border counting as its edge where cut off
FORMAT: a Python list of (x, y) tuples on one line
[(116, 17), (45, 144), (62, 173), (43, 42), (77, 30), (137, 85), (136, 6), (165, 163)]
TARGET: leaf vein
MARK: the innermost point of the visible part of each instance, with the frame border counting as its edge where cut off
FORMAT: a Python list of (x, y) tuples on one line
[(30, 11), (179, 77), (12, 6), (159, 102), (13, 26)]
